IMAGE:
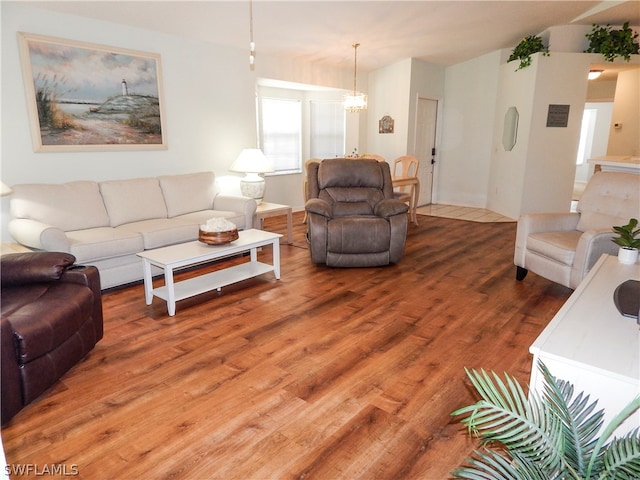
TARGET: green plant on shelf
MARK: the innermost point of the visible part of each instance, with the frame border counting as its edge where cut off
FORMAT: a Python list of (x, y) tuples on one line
[(612, 43), (527, 47)]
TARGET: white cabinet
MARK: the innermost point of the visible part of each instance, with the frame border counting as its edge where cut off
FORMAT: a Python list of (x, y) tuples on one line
[(590, 344)]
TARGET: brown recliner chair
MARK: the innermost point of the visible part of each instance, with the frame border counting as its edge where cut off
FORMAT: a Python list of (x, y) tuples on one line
[(51, 317), (353, 219)]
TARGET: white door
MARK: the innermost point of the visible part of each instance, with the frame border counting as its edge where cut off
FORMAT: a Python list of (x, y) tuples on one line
[(425, 149)]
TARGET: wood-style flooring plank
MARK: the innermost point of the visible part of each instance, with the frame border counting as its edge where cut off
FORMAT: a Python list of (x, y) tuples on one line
[(323, 374)]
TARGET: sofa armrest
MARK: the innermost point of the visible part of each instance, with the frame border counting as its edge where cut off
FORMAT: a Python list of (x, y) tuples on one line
[(237, 203), (591, 246), (390, 207), (540, 222), (319, 207), (34, 234), (33, 267)]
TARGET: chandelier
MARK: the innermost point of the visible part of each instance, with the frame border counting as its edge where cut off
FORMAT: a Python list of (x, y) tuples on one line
[(356, 101)]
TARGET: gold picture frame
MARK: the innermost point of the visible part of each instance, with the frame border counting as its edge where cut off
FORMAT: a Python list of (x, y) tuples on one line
[(88, 97)]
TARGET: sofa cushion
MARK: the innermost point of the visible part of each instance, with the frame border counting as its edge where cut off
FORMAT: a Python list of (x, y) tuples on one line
[(133, 200), (558, 246), (188, 193), (105, 242), (160, 232), (345, 235), (338, 173), (68, 206), (610, 198)]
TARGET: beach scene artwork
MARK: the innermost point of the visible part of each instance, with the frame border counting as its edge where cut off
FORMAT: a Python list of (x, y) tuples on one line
[(90, 97)]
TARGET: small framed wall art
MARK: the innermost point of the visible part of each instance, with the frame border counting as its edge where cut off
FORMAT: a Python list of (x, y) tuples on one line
[(86, 97), (385, 124)]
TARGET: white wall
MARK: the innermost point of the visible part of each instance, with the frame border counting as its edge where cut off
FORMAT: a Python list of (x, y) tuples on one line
[(506, 174), (626, 111), (427, 81), (538, 174), (468, 123), (209, 97), (394, 91), (551, 159), (389, 89)]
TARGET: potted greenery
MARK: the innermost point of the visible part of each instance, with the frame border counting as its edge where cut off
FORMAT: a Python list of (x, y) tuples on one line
[(550, 435), (629, 241), (527, 47), (613, 43)]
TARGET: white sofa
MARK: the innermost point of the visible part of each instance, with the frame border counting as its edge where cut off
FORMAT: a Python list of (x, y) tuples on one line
[(106, 223)]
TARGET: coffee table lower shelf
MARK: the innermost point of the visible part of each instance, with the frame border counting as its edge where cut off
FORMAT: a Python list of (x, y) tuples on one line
[(212, 281)]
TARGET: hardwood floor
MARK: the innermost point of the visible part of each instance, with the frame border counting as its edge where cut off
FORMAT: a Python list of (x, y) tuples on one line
[(324, 374)]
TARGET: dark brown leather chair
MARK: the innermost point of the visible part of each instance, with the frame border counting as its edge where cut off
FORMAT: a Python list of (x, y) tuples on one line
[(353, 219), (51, 317)]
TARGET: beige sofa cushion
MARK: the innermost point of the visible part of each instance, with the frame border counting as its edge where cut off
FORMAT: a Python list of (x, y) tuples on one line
[(188, 193), (610, 198), (68, 206), (558, 246), (105, 242), (133, 200)]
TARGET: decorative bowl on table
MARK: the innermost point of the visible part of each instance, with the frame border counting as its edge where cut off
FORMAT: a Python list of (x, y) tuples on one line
[(218, 238)]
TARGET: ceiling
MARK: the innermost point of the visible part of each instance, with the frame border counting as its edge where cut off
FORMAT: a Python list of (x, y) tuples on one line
[(443, 32)]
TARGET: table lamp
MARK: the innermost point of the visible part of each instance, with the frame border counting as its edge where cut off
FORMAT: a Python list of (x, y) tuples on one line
[(252, 162)]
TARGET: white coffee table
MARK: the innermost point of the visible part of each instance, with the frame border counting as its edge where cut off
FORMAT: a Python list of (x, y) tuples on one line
[(193, 253)]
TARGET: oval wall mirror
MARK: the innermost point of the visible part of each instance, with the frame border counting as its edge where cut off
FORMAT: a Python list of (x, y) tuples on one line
[(510, 130)]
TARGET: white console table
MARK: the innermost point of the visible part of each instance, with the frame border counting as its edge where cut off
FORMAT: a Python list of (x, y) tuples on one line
[(590, 344)]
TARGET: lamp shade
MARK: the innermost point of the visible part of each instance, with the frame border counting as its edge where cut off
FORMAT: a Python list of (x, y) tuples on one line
[(4, 189), (251, 160)]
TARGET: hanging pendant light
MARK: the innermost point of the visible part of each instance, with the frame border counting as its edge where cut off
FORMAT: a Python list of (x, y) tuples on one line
[(252, 44), (356, 101)]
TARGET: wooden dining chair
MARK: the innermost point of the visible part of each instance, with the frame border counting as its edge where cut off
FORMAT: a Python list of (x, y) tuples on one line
[(305, 194), (406, 168), (374, 156)]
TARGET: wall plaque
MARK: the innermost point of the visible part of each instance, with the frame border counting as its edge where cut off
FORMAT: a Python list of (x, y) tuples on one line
[(558, 115)]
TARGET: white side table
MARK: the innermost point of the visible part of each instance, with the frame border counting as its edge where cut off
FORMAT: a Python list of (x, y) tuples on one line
[(266, 210), (13, 247), (590, 344)]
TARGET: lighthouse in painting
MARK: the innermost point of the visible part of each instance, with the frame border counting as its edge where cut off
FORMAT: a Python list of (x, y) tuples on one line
[(125, 90)]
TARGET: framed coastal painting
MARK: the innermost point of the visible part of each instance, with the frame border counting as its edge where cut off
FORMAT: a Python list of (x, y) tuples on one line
[(86, 97)]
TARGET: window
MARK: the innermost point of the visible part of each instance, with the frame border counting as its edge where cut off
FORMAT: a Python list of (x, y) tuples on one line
[(586, 135), (282, 133), (298, 121), (327, 126)]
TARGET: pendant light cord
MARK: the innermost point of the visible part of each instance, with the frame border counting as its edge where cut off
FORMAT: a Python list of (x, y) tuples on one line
[(252, 45), (355, 65)]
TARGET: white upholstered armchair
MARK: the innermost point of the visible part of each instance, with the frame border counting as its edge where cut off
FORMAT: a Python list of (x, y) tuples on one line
[(563, 247)]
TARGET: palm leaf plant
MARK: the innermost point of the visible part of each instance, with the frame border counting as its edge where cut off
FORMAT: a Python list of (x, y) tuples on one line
[(552, 434)]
